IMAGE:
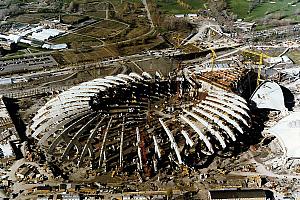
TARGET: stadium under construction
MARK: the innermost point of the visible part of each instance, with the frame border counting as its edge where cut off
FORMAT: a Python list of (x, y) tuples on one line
[(144, 123)]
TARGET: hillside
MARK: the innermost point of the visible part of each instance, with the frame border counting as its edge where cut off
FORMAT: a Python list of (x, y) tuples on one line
[(288, 10)]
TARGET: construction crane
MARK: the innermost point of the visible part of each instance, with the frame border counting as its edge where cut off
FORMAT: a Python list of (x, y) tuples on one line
[(213, 57), (260, 63)]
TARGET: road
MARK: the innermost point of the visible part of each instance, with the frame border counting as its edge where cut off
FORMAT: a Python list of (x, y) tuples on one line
[(148, 13)]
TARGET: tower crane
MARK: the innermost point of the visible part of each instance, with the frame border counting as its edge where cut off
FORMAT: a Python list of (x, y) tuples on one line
[(260, 62), (213, 57)]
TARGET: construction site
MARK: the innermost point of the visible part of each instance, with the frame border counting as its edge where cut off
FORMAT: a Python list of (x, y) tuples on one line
[(205, 112), (174, 120)]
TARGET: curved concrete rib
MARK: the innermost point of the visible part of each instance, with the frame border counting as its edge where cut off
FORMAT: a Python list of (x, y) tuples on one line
[(125, 76), (75, 137), (225, 117), (136, 76), (227, 130), (234, 96), (47, 119), (232, 100), (147, 75), (202, 121), (68, 104), (43, 109), (54, 113), (201, 135), (237, 115), (104, 85), (231, 105), (83, 89), (89, 140), (62, 123), (115, 78), (187, 138), (172, 140), (104, 141), (156, 147), (44, 119), (65, 132), (139, 151), (114, 83)]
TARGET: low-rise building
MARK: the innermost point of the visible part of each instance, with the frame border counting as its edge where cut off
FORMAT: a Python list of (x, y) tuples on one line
[(7, 44), (56, 24), (6, 81), (43, 189)]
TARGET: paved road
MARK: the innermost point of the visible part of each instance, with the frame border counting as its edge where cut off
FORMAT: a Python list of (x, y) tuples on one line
[(148, 13)]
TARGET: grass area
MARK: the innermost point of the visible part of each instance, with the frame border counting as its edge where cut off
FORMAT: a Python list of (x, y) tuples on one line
[(100, 4), (129, 50), (138, 31), (279, 9), (96, 14), (81, 41), (88, 36), (77, 41), (73, 19), (260, 27), (73, 57), (33, 18), (239, 7), (102, 29), (173, 7), (96, 54), (138, 45)]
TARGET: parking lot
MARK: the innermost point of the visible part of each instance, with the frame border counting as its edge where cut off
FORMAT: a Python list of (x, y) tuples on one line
[(27, 64)]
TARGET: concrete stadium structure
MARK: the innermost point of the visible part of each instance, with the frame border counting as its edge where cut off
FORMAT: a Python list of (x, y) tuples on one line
[(139, 123)]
